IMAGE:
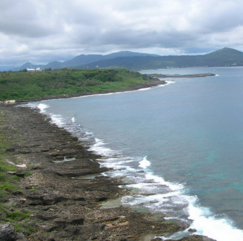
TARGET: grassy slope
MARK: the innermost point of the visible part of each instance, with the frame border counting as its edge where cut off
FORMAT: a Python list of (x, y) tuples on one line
[(24, 85)]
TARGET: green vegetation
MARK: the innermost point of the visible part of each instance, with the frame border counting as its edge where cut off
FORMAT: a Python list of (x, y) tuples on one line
[(16, 216), (26, 85), (26, 173), (8, 184), (26, 227)]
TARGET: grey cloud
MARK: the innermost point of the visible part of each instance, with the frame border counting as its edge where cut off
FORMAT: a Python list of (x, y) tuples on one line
[(26, 30), (43, 31), (124, 38)]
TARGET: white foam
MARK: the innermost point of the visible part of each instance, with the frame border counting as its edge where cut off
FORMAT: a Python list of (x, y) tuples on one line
[(170, 82), (43, 107), (203, 220), (207, 224), (73, 119), (160, 180), (58, 120), (145, 89), (144, 163), (99, 148), (35, 105)]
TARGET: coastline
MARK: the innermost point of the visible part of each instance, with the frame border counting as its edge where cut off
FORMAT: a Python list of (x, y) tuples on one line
[(183, 75), (152, 83), (67, 208)]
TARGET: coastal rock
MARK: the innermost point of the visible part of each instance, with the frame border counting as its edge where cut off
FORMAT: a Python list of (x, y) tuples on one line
[(7, 233), (49, 199), (80, 172), (192, 230), (16, 173)]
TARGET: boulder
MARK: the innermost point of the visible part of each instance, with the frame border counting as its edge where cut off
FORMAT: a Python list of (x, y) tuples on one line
[(7, 233)]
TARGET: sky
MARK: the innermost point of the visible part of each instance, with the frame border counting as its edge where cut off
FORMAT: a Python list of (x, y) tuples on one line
[(41, 31)]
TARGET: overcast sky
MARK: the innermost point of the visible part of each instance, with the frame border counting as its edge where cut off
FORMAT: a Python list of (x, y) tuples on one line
[(41, 31)]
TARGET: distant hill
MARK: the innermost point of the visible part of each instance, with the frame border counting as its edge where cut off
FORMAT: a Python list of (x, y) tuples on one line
[(30, 66), (138, 61), (223, 57), (225, 52), (90, 58), (54, 65), (84, 60)]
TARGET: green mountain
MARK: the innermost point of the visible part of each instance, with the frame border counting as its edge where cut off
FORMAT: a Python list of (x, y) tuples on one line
[(85, 60), (90, 58), (138, 61), (223, 57), (54, 65), (225, 52)]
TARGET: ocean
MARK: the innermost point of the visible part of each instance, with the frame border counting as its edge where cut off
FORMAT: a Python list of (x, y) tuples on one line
[(178, 145)]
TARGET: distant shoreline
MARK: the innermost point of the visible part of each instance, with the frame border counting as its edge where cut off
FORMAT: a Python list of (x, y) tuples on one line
[(153, 82), (182, 76)]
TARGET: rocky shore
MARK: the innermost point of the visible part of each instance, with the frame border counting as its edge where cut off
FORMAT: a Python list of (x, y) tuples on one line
[(63, 201)]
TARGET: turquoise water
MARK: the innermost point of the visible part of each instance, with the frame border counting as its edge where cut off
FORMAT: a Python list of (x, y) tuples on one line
[(190, 131)]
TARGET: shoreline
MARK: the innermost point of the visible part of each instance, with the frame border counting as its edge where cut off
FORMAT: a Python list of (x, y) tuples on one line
[(66, 208), (152, 83), (183, 75)]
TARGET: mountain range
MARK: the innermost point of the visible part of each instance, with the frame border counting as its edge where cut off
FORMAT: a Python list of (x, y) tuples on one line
[(138, 61)]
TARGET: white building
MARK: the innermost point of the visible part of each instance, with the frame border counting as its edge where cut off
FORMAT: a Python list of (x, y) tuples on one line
[(30, 70), (34, 70)]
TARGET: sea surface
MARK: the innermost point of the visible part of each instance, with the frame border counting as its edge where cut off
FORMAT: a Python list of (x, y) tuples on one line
[(179, 145)]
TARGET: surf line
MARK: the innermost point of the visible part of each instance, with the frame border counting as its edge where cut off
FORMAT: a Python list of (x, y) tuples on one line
[(155, 194)]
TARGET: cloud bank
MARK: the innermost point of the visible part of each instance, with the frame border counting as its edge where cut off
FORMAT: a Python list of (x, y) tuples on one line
[(42, 31)]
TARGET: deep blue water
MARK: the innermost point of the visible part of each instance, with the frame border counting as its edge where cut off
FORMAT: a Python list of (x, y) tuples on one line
[(191, 132)]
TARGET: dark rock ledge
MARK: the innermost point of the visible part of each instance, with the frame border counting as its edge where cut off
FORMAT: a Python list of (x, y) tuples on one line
[(63, 207)]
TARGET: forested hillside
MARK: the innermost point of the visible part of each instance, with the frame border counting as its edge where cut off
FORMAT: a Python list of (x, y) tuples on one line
[(24, 85)]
